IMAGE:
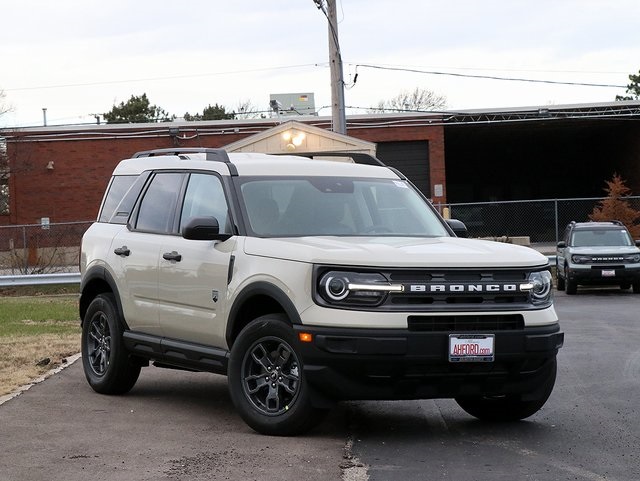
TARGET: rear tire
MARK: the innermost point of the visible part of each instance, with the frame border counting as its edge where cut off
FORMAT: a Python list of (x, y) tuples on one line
[(107, 365), (266, 379), (508, 408), (636, 287)]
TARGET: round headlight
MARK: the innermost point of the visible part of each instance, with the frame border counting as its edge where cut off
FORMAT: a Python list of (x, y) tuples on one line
[(578, 259), (541, 282), (336, 288)]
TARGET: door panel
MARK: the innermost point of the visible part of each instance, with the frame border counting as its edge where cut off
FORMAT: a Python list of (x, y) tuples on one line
[(192, 291), (137, 277)]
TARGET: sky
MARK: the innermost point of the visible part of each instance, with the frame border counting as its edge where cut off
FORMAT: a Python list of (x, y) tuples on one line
[(78, 58)]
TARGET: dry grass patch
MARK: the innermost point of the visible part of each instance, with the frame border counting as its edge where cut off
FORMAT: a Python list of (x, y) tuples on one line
[(32, 330), (22, 354)]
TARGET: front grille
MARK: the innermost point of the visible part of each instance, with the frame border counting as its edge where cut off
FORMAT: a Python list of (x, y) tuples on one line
[(460, 289), (456, 323)]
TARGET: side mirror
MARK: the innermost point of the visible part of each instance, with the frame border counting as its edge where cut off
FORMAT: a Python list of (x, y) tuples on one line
[(458, 227), (562, 244), (638, 243), (203, 228)]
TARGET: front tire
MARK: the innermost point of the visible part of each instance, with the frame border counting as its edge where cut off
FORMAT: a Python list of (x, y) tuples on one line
[(508, 408), (571, 286), (561, 280), (636, 287), (266, 379), (106, 363)]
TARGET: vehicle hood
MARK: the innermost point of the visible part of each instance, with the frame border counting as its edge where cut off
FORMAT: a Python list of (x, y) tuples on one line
[(396, 251)]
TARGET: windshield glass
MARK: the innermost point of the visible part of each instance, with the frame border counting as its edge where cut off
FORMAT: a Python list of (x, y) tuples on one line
[(601, 237), (299, 206)]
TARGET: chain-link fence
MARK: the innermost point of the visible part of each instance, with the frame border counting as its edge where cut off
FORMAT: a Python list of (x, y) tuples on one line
[(543, 221), (41, 248)]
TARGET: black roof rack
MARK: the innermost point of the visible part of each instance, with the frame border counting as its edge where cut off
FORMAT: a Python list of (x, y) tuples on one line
[(219, 155), (358, 157)]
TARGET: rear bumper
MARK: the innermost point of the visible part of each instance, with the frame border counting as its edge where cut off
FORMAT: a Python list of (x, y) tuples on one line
[(399, 364)]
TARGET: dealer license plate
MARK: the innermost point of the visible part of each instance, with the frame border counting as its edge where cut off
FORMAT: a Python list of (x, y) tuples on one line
[(608, 273), (471, 347)]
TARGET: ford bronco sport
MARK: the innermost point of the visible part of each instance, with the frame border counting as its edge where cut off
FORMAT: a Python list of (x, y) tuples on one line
[(597, 253), (306, 282)]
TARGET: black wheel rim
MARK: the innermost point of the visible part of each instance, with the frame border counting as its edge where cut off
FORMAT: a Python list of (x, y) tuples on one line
[(99, 343), (271, 376)]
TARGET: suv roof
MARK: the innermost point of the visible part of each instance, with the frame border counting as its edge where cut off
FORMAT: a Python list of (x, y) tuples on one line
[(597, 225), (258, 164)]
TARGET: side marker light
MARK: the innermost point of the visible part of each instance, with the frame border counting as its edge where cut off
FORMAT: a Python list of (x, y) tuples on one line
[(305, 337)]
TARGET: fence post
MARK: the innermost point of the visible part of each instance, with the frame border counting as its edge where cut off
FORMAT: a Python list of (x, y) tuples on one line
[(555, 201), (25, 249)]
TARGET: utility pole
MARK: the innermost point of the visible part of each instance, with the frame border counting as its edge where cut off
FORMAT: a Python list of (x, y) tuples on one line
[(338, 118)]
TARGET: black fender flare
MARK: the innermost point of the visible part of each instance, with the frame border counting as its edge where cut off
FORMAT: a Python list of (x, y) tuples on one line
[(98, 273), (260, 288)]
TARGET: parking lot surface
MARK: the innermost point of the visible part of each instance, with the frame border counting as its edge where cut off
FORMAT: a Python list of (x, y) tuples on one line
[(176, 425)]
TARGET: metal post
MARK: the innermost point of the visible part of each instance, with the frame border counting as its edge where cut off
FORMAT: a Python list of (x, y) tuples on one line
[(556, 214), (337, 80)]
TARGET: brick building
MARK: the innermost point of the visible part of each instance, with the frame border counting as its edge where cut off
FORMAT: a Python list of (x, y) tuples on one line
[(59, 173)]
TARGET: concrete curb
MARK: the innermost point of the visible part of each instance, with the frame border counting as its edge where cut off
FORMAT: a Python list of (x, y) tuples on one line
[(38, 380)]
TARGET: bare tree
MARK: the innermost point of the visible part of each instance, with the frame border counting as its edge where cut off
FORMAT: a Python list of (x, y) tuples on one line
[(4, 107), (418, 100), (246, 110)]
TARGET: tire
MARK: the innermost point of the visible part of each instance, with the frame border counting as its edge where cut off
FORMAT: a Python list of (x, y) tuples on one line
[(106, 363), (570, 286), (511, 407), (266, 379), (625, 286), (636, 287), (561, 280)]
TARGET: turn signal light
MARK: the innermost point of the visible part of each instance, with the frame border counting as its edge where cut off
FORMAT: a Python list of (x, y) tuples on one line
[(305, 337)]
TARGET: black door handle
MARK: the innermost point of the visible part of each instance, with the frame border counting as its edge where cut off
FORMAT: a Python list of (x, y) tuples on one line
[(122, 251), (172, 256)]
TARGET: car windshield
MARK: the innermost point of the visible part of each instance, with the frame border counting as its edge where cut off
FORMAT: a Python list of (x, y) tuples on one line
[(300, 206), (601, 237)]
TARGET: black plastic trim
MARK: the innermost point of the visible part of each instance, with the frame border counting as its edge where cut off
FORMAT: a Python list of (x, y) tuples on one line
[(257, 289), (100, 273), (182, 354), (358, 157), (350, 363), (219, 155)]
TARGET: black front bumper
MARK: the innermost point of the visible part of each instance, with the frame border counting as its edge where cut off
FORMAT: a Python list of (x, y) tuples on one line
[(347, 363), (594, 276)]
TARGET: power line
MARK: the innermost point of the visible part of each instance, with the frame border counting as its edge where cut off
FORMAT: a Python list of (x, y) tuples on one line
[(487, 77), (175, 77)]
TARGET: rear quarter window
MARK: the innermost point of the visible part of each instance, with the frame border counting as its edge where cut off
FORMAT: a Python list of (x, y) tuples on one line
[(121, 196)]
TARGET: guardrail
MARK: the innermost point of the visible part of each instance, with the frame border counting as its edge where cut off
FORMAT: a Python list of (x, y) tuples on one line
[(40, 279)]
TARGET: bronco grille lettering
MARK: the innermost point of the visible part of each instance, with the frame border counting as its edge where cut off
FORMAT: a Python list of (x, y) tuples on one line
[(463, 288)]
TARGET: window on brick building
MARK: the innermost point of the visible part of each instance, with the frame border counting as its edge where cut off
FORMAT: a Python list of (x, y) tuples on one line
[(4, 178), (4, 194)]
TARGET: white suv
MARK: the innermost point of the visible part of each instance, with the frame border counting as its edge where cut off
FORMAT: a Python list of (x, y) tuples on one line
[(307, 282)]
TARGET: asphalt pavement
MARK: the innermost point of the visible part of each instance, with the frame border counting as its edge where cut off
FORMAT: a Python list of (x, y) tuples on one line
[(173, 425), (177, 425)]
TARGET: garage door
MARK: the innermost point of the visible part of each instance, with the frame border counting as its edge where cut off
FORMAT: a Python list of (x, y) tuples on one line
[(410, 158)]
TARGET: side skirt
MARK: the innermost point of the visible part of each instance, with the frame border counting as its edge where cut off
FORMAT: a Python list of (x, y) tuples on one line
[(178, 354)]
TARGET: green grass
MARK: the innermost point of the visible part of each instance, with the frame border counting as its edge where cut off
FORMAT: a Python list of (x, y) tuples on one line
[(28, 316)]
